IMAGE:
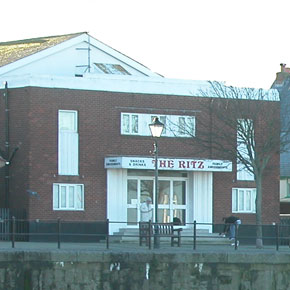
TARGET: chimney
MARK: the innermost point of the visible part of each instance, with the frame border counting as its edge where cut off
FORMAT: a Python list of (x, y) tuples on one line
[(281, 76), (284, 69)]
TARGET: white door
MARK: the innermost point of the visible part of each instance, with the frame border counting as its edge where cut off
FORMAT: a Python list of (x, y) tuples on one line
[(138, 189), (172, 201)]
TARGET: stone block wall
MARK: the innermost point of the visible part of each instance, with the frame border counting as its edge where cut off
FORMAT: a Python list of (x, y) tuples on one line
[(143, 271)]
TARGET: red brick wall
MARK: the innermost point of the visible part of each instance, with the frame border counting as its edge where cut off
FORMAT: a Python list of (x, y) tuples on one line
[(34, 113)]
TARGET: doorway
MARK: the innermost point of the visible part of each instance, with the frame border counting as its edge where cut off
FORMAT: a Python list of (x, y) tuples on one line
[(172, 199)]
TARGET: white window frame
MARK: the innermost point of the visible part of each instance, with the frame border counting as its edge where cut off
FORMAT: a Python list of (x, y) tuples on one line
[(172, 124), (75, 121), (240, 202), (68, 146), (242, 172), (61, 202)]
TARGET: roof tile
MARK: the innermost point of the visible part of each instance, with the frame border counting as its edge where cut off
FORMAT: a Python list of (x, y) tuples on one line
[(15, 50)]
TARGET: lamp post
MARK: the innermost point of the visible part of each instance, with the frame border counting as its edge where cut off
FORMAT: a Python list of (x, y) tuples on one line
[(156, 128)]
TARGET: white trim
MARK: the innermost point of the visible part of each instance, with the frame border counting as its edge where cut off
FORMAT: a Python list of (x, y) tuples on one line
[(253, 193), (57, 195), (123, 58), (116, 83)]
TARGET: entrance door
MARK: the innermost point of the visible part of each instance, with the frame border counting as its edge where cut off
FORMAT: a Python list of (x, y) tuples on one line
[(137, 191), (171, 199)]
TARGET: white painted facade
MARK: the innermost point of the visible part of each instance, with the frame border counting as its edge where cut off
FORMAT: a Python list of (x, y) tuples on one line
[(199, 197), (198, 190)]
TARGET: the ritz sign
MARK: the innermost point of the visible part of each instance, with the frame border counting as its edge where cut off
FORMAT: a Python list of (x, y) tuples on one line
[(168, 164), (181, 164)]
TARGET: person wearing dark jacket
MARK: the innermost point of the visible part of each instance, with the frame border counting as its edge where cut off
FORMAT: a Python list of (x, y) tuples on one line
[(230, 226)]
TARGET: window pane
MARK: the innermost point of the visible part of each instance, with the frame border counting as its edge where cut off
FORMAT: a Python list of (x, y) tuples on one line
[(132, 192), (126, 123), (163, 120), (146, 190), (163, 216), (191, 125), (134, 123), (132, 215), (181, 125), (79, 200), (179, 216), (63, 196), (71, 203), (67, 121), (248, 200), (179, 192), (241, 200), (55, 196), (164, 192), (235, 200)]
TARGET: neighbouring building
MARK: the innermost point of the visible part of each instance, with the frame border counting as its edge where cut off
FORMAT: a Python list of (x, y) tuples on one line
[(282, 84), (75, 115)]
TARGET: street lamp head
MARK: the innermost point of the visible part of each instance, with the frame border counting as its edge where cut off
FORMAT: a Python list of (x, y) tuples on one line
[(156, 127)]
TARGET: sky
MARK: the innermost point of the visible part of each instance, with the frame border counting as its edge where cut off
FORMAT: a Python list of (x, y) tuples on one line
[(239, 42)]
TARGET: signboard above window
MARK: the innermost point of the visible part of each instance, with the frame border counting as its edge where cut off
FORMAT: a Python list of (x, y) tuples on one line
[(168, 164)]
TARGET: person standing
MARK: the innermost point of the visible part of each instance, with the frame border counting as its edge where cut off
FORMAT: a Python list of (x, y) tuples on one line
[(146, 210)]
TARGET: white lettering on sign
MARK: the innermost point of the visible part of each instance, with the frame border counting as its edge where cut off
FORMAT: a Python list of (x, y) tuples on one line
[(168, 164)]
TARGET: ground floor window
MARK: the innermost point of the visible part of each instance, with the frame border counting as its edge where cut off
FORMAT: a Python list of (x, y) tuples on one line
[(244, 200), (68, 196)]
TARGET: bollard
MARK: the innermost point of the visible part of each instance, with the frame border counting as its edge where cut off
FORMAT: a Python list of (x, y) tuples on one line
[(107, 240), (277, 235), (58, 232), (194, 235), (13, 232)]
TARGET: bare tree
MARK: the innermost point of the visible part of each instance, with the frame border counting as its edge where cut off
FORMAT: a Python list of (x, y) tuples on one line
[(242, 125)]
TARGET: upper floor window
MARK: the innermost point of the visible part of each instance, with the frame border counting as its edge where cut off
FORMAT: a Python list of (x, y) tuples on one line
[(67, 121), (174, 125), (245, 135), (68, 142)]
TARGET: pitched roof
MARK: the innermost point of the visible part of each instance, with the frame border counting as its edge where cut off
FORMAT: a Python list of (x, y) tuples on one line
[(15, 50)]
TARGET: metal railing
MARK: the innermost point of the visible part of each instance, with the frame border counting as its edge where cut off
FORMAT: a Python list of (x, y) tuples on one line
[(61, 232)]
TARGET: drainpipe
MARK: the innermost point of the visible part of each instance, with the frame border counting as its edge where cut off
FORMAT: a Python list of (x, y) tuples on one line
[(7, 146)]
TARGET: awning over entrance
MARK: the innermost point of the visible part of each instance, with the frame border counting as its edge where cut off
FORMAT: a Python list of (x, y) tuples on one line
[(184, 164)]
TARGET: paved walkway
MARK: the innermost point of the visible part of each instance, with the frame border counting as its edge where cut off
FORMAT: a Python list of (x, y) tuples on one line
[(134, 247)]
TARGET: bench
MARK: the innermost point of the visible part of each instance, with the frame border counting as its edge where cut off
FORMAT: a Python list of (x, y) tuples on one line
[(148, 229)]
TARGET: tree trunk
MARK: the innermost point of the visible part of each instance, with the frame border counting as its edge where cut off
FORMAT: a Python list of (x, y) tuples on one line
[(259, 230)]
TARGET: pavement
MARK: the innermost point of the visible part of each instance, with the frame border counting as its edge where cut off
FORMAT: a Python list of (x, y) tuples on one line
[(133, 247)]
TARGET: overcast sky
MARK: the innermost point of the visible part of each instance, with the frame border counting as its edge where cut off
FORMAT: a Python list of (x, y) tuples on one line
[(241, 42)]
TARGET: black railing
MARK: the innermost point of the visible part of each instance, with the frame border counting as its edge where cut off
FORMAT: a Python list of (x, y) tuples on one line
[(61, 232)]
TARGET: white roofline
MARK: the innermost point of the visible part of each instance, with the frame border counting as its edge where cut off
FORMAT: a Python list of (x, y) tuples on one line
[(117, 83), (127, 60)]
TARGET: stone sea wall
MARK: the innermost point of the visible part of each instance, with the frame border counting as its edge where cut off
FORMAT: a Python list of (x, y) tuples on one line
[(88, 270)]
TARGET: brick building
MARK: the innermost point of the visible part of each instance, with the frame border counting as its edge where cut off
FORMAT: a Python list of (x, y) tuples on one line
[(78, 112)]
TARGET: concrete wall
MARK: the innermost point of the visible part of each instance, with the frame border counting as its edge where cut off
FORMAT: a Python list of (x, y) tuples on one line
[(143, 271)]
